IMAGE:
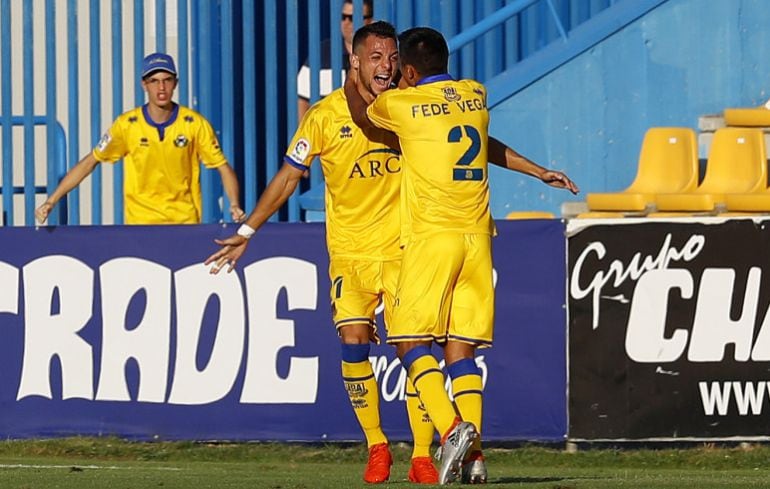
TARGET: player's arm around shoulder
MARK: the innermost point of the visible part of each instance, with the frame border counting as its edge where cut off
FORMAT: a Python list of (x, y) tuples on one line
[(357, 105)]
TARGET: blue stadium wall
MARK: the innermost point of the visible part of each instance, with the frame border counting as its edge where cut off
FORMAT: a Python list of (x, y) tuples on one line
[(684, 59)]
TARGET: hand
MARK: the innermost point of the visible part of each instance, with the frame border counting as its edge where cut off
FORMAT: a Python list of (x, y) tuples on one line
[(232, 249), (559, 180), (237, 213), (42, 212)]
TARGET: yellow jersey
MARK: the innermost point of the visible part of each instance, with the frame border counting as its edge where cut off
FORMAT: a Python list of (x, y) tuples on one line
[(442, 125), (362, 172), (161, 174)]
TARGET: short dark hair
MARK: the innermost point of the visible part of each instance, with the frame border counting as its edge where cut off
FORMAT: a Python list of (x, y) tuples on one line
[(380, 29), (425, 49)]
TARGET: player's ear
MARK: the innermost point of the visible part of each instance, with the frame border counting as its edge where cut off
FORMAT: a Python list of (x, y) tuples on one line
[(354, 61), (402, 81), (409, 73)]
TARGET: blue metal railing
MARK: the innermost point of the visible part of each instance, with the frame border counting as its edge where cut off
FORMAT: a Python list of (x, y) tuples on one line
[(117, 103), (56, 168), (228, 93), (237, 62), (73, 105), (96, 104), (250, 144), (55, 140), (28, 118), (581, 37)]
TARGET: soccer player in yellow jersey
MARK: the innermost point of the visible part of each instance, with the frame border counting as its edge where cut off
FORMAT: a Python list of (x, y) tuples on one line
[(445, 292), (162, 143), (362, 171)]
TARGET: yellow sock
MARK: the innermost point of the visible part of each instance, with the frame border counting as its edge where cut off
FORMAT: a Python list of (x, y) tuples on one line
[(419, 422), (467, 389), (428, 380), (365, 399)]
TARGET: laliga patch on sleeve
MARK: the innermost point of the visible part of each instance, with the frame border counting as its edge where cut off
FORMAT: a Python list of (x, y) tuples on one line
[(104, 142), (300, 151)]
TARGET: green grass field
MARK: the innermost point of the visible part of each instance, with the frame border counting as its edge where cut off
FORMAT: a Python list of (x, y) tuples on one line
[(115, 464)]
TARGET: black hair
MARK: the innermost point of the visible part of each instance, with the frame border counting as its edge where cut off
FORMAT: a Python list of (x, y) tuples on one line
[(380, 29), (425, 49)]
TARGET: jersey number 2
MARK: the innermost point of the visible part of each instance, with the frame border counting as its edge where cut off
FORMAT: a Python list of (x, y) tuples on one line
[(455, 136)]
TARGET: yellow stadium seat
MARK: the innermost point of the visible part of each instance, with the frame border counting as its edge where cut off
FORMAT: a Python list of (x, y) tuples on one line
[(668, 162), (751, 117), (671, 214), (743, 214), (736, 164), (758, 202), (530, 215), (601, 215)]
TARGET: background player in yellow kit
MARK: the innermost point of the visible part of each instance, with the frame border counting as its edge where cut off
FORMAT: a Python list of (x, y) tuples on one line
[(162, 143), (445, 292), (362, 171)]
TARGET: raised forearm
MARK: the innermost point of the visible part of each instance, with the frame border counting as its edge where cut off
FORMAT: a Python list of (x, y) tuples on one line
[(504, 156), (230, 184), (72, 179)]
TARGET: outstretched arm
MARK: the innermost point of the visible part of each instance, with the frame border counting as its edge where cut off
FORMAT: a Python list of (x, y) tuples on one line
[(71, 180), (502, 155), (275, 195), (230, 184)]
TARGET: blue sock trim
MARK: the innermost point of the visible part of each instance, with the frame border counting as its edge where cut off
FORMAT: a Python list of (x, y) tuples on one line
[(466, 366), (414, 354), (355, 353), (426, 372)]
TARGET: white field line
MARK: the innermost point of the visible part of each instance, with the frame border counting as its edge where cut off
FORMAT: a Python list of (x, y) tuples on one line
[(82, 467)]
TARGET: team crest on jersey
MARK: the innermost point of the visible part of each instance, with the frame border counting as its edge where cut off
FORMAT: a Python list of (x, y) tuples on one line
[(181, 141), (450, 94), (104, 141), (144, 142), (346, 132), (300, 150)]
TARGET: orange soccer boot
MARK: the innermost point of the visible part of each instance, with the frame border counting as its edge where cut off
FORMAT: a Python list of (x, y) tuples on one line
[(423, 471), (378, 467)]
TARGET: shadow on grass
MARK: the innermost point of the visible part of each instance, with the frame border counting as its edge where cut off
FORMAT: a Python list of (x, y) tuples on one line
[(536, 480)]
